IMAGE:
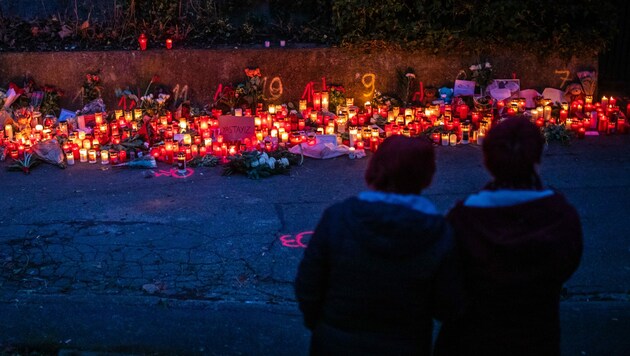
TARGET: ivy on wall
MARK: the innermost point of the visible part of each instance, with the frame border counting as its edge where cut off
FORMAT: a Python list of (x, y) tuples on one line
[(562, 26)]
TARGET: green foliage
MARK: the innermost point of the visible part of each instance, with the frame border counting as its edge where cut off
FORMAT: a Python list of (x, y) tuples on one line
[(256, 165), (557, 133), (471, 27), (563, 26)]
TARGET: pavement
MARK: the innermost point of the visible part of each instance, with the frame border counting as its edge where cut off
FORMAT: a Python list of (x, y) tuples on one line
[(103, 260)]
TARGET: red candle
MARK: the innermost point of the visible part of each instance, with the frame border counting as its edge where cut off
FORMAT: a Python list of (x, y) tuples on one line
[(603, 124), (203, 151), (563, 115), (463, 111), (75, 151), (540, 122), (122, 156), (142, 41), (581, 132), (621, 125), (360, 145), (169, 43)]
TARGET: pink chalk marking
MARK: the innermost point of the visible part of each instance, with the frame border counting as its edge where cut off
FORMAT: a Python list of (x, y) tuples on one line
[(175, 173), (289, 241)]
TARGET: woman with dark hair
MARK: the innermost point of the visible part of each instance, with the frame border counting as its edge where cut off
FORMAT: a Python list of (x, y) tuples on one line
[(369, 278), (517, 243)]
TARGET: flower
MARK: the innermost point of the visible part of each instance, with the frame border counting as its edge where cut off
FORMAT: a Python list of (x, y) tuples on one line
[(283, 162), (481, 73), (410, 75), (272, 163)]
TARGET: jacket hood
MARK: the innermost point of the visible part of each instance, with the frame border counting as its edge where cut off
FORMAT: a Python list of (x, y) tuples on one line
[(540, 238), (393, 229)]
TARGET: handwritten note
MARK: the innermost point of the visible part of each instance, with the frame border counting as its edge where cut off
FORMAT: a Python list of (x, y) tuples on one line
[(235, 128)]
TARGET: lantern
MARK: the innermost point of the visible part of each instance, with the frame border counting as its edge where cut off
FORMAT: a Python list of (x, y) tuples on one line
[(142, 41)]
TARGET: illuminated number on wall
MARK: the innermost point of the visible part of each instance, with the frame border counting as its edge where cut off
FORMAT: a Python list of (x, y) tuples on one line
[(565, 78), (275, 88), (369, 82)]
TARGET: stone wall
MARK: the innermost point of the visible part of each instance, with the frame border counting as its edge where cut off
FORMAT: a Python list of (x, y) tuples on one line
[(286, 70)]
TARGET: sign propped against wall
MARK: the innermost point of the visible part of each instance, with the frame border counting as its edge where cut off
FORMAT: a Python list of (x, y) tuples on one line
[(235, 128)]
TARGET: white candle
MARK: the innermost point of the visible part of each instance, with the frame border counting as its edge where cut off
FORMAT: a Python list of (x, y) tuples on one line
[(8, 131), (104, 157), (70, 158), (83, 155)]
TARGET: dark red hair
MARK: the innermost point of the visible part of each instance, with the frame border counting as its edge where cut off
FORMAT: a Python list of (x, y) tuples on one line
[(511, 151), (401, 165)]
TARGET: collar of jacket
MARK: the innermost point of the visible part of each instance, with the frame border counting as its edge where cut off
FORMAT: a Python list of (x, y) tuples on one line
[(504, 197), (412, 201)]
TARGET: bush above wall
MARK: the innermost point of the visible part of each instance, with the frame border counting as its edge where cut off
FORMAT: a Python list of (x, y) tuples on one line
[(562, 27)]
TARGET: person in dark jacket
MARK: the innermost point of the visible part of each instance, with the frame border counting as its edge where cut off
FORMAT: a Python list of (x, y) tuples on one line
[(518, 243), (368, 280)]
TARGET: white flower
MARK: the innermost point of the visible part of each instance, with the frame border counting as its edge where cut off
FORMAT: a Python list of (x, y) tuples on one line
[(475, 67), (283, 162), (410, 75), (487, 65), (262, 160), (264, 155), (272, 163), (255, 163)]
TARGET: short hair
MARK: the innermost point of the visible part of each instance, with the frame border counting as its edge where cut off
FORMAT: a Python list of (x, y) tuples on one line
[(511, 150), (402, 165)]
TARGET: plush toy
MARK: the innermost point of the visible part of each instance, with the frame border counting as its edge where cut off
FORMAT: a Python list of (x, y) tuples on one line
[(574, 92), (430, 94), (446, 94)]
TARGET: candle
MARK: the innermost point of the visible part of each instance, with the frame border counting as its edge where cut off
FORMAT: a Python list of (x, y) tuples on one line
[(547, 112), (453, 139), (87, 144), (621, 125), (83, 155), (604, 101), (169, 43), (481, 135), (563, 115), (603, 124), (142, 41), (445, 138), (581, 132), (70, 158), (465, 133), (104, 157), (325, 101), (91, 155), (8, 130)]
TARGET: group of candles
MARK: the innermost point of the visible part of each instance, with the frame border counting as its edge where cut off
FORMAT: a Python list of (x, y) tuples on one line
[(185, 138), (604, 117)]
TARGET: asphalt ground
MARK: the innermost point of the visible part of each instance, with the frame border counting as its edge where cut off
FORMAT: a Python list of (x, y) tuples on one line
[(118, 260)]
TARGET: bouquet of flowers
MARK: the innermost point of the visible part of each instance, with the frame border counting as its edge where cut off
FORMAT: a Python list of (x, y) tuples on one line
[(258, 165), (154, 106), (336, 97), (50, 104), (91, 88), (251, 90), (481, 73)]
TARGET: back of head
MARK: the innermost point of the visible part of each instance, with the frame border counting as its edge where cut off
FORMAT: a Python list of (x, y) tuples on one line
[(512, 149), (402, 165)]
